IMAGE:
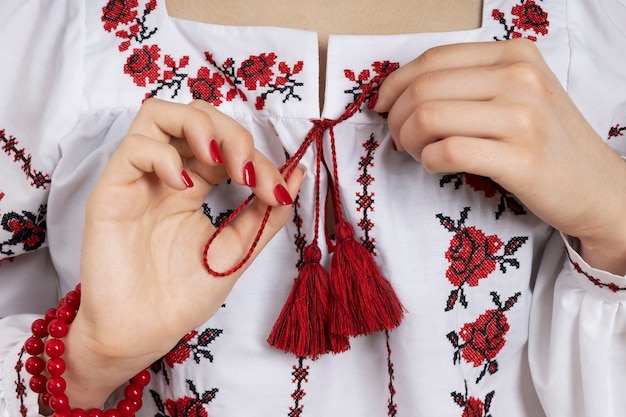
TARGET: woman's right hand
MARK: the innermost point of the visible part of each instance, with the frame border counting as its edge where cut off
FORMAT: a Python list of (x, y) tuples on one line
[(144, 284)]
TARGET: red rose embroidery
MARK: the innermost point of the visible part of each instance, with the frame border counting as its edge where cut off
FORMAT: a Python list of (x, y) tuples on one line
[(527, 16), (206, 86), (193, 345), (484, 338), (473, 255), (472, 406), (530, 16), (185, 407), (182, 351), (27, 229), (480, 341), (257, 70), (119, 12), (143, 65)]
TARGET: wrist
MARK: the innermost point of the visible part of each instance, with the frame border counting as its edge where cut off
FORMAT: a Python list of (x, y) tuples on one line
[(57, 377)]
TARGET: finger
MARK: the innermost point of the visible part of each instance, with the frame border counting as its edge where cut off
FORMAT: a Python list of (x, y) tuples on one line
[(433, 121), (455, 56), (234, 241), (164, 120), (138, 155), (478, 156)]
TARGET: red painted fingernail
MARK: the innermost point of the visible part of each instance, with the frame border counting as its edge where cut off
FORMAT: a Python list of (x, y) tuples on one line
[(393, 145), (249, 176), (186, 179), (282, 195), (216, 153)]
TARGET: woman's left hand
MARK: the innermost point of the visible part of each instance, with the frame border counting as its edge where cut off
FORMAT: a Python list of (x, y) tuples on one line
[(495, 109)]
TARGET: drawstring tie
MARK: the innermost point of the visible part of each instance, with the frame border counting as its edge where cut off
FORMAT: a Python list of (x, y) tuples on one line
[(325, 308)]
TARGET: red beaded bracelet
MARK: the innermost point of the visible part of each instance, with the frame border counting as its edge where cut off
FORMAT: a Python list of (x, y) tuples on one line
[(52, 390)]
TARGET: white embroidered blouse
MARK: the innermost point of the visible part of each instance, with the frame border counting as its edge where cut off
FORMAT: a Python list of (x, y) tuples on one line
[(503, 317)]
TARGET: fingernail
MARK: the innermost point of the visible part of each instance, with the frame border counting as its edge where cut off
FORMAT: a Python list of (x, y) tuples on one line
[(393, 145), (216, 153), (186, 179), (282, 195), (249, 176)]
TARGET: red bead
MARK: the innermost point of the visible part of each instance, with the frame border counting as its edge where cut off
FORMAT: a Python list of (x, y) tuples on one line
[(72, 299), (59, 403), (51, 314), (33, 346), (126, 408), (39, 328), (55, 366), (138, 404), (35, 365), (67, 313), (133, 392), (96, 412), (37, 384), (112, 412), (57, 328), (45, 399), (55, 348), (56, 385), (64, 413), (79, 412), (142, 378)]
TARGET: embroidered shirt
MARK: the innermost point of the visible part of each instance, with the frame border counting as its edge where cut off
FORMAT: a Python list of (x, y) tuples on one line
[(501, 320)]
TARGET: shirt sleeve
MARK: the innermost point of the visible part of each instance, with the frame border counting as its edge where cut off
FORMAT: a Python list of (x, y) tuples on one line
[(577, 344), (41, 49)]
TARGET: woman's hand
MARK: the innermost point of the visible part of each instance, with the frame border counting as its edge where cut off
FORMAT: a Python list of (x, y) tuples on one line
[(495, 109), (144, 285)]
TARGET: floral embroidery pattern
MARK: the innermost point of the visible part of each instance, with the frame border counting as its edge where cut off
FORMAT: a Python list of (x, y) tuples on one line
[(125, 13), (365, 199), (528, 17), (144, 64), (27, 229), (484, 338), (20, 383), (595, 281), (192, 345), (472, 406), (257, 72), (380, 68), (365, 203), (10, 147), (185, 406), (473, 256), (300, 376), (489, 188)]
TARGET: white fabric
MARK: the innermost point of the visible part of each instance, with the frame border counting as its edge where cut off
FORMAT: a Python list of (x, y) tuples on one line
[(67, 100)]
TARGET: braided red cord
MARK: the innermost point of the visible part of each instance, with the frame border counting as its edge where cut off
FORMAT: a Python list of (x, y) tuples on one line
[(315, 135)]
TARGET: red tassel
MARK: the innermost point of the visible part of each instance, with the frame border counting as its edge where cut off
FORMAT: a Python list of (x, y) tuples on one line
[(302, 326), (362, 299)]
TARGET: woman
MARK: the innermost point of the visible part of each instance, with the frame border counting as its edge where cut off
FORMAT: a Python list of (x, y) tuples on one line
[(454, 164)]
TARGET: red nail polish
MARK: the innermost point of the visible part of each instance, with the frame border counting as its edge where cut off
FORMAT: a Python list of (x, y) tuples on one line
[(282, 195), (249, 176), (393, 145), (216, 153), (186, 179)]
